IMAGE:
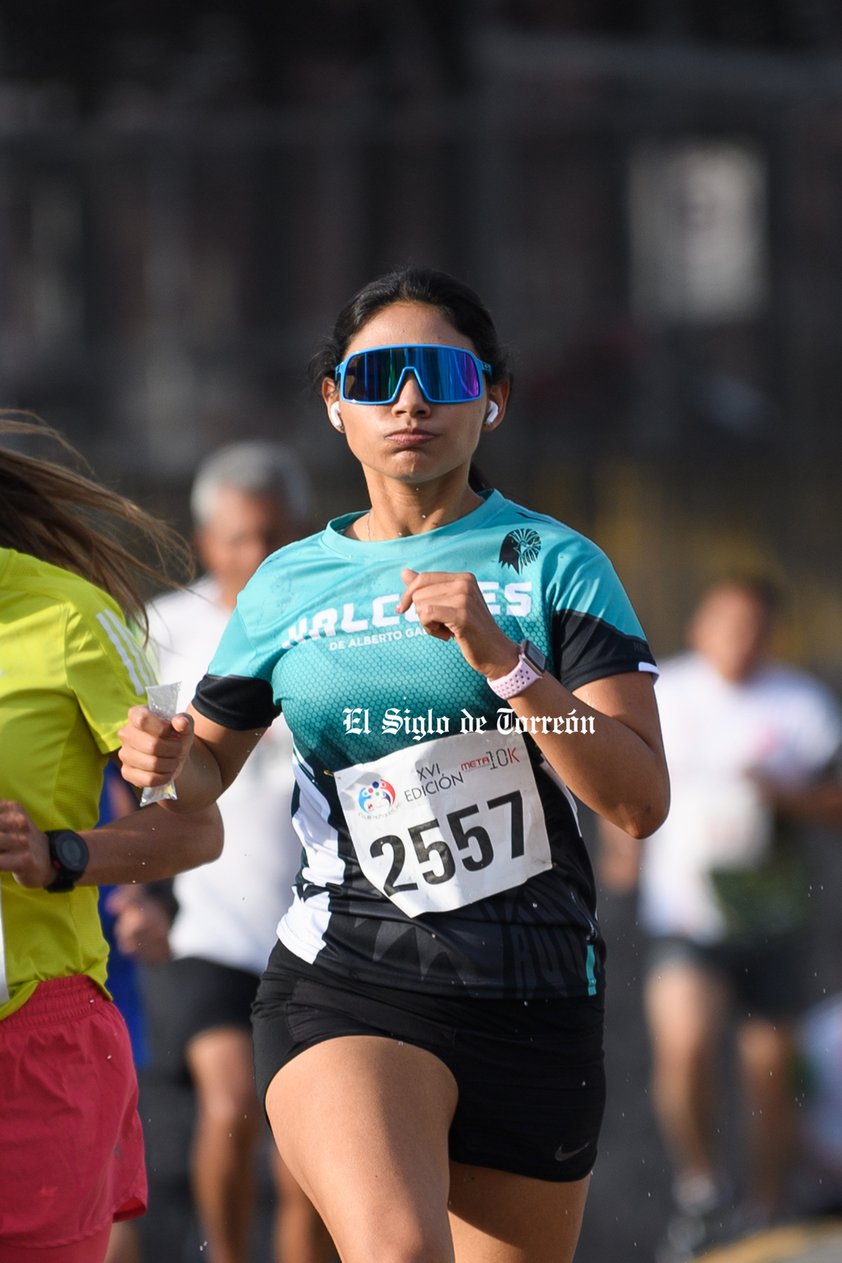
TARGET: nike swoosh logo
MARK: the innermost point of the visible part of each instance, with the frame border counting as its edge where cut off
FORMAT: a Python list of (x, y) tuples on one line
[(562, 1154)]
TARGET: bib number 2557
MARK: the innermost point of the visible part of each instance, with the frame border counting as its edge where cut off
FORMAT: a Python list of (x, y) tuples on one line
[(474, 848), (476, 844)]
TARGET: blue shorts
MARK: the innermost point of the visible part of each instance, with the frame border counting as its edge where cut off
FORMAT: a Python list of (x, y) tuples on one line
[(530, 1075)]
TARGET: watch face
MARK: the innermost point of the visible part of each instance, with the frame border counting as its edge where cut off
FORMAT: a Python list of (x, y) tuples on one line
[(72, 852), (533, 655)]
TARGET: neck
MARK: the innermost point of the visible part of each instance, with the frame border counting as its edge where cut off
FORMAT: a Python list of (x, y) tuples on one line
[(227, 597), (399, 509)]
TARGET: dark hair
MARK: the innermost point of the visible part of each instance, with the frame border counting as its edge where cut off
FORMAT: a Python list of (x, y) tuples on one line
[(68, 519), (455, 300), (760, 587)]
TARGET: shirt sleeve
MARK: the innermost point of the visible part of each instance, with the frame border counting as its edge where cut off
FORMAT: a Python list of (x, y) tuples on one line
[(107, 670), (594, 631), (237, 690)]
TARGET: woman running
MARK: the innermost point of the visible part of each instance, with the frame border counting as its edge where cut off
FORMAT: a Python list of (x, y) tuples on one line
[(454, 669)]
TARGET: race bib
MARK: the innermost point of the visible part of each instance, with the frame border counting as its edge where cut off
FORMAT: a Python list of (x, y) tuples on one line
[(446, 824)]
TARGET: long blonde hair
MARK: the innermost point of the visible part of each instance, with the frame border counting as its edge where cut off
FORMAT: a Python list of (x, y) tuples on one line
[(66, 518)]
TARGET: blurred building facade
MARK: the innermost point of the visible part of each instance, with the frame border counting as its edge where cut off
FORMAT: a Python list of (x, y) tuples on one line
[(648, 196)]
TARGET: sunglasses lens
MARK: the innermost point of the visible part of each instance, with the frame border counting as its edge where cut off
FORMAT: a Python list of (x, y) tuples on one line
[(445, 374), (448, 375), (373, 376)]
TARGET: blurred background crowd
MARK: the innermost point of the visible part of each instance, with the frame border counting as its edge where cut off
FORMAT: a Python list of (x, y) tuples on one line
[(647, 193)]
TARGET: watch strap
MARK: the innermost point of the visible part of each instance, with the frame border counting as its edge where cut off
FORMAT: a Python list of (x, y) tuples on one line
[(521, 676), (66, 877)]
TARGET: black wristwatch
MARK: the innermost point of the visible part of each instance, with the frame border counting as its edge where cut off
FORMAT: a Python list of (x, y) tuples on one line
[(69, 857)]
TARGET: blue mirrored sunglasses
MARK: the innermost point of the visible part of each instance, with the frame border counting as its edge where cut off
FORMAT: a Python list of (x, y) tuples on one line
[(446, 374)]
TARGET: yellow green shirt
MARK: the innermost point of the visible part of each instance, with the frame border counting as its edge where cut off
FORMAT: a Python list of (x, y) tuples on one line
[(70, 669)]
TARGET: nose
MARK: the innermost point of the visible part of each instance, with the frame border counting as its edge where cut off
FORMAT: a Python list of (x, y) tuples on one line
[(411, 398)]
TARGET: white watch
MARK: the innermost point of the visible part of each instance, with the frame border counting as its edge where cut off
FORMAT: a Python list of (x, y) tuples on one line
[(531, 665)]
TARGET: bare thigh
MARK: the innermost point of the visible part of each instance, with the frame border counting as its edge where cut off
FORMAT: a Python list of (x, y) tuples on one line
[(497, 1217), (686, 1007), (220, 1062), (362, 1124), (124, 1243)]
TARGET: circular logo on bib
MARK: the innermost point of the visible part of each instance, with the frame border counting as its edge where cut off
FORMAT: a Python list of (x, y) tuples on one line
[(376, 798)]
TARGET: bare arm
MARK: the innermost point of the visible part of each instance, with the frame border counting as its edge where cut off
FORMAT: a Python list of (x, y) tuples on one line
[(202, 757), (142, 923), (819, 802), (145, 846), (616, 765)]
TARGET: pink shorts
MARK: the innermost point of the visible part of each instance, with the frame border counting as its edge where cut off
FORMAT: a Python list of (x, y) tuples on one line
[(71, 1146)]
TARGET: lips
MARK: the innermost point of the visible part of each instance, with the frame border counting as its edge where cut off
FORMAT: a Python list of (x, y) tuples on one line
[(410, 438)]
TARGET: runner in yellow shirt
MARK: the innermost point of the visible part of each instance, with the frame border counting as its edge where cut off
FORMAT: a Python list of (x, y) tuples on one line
[(71, 1155)]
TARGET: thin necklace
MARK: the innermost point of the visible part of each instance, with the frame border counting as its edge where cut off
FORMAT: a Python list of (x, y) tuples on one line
[(368, 525)]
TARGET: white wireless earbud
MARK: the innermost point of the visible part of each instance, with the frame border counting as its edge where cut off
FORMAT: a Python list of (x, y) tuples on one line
[(336, 418), (491, 415)]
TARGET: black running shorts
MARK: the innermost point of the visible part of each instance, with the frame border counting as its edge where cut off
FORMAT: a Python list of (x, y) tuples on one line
[(766, 979), (188, 997), (530, 1074)]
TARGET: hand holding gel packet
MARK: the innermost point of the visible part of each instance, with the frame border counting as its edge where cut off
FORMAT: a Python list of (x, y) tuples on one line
[(163, 702)]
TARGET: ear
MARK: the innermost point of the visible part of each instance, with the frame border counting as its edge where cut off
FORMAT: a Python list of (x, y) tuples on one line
[(498, 394), (330, 391), (330, 396)]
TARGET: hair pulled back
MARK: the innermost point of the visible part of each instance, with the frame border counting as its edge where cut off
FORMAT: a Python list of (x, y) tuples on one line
[(456, 301)]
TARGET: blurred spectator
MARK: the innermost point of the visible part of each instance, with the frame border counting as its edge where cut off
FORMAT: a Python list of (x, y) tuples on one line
[(752, 747), (247, 500)]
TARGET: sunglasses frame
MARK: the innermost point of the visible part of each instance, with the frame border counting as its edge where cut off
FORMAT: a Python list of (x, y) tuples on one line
[(342, 369)]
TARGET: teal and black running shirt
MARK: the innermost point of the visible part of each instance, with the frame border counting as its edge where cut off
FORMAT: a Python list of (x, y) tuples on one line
[(440, 852)]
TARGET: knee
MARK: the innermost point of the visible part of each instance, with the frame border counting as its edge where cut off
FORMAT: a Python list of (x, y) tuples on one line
[(400, 1243), (406, 1253), (229, 1113), (768, 1059), (683, 1054)]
